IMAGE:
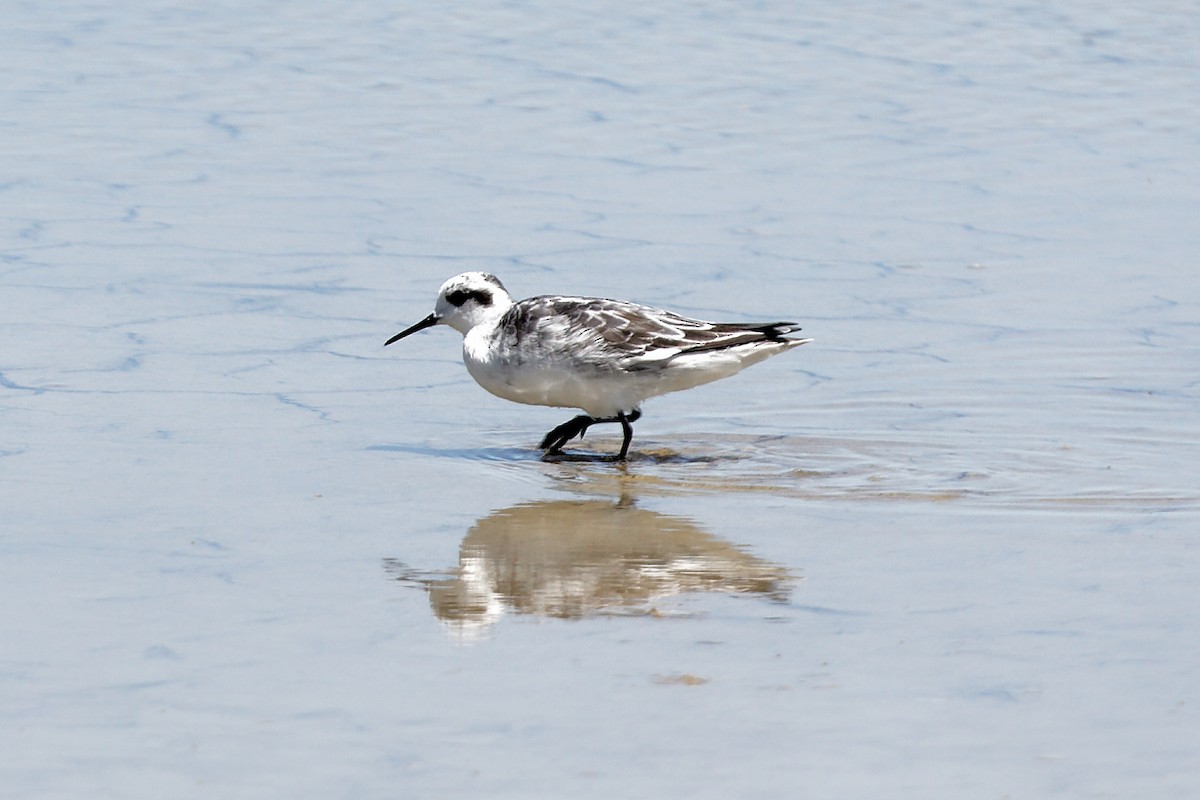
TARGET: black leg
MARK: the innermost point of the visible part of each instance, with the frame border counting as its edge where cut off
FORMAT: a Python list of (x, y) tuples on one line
[(627, 429), (553, 441)]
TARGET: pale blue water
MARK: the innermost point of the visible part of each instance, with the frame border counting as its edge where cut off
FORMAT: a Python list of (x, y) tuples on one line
[(948, 549)]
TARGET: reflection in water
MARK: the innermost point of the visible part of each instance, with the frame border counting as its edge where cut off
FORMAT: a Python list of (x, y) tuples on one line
[(572, 558)]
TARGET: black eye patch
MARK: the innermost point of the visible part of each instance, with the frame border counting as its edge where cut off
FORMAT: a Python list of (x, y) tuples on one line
[(460, 296)]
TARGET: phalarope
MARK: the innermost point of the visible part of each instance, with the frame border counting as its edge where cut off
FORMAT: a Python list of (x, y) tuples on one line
[(602, 356)]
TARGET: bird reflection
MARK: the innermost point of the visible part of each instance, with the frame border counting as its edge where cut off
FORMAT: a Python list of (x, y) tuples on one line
[(569, 559)]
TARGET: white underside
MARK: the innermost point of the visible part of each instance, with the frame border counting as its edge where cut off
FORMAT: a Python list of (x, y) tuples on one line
[(605, 393)]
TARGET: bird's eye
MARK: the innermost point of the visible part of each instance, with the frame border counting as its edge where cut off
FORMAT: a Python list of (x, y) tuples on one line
[(459, 297)]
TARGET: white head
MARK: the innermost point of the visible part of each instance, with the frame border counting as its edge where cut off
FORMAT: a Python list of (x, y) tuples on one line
[(463, 302)]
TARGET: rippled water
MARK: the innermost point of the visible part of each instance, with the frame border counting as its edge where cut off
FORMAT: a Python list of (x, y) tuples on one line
[(947, 549)]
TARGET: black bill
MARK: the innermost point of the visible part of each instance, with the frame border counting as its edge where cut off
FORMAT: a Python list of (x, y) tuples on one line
[(428, 322)]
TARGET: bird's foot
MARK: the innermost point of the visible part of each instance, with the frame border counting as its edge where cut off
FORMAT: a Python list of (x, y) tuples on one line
[(553, 441)]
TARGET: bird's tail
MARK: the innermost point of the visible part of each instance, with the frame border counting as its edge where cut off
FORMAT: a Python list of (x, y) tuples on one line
[(775, 331)]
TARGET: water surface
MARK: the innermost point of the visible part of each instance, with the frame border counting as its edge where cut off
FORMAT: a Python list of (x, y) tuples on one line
[(947, 549)]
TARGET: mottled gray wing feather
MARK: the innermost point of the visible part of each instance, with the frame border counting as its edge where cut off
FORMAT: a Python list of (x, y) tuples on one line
[(607, 334)]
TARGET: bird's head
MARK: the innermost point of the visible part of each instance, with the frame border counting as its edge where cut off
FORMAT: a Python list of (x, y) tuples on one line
[(463, 302)]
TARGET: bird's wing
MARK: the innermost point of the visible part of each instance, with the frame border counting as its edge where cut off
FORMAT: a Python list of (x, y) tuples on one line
[(613, 333)]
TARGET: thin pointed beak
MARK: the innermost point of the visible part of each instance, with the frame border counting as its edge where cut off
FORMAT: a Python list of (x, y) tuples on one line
[(428, 322)]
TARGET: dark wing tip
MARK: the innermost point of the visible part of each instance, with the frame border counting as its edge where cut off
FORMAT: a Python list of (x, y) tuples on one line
[(778, 331), (734, 334)]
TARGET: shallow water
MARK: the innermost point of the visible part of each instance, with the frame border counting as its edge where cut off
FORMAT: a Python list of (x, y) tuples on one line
[(947, 549)]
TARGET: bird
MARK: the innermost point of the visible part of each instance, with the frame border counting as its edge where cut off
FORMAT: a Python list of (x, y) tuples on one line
[(604, 357)]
